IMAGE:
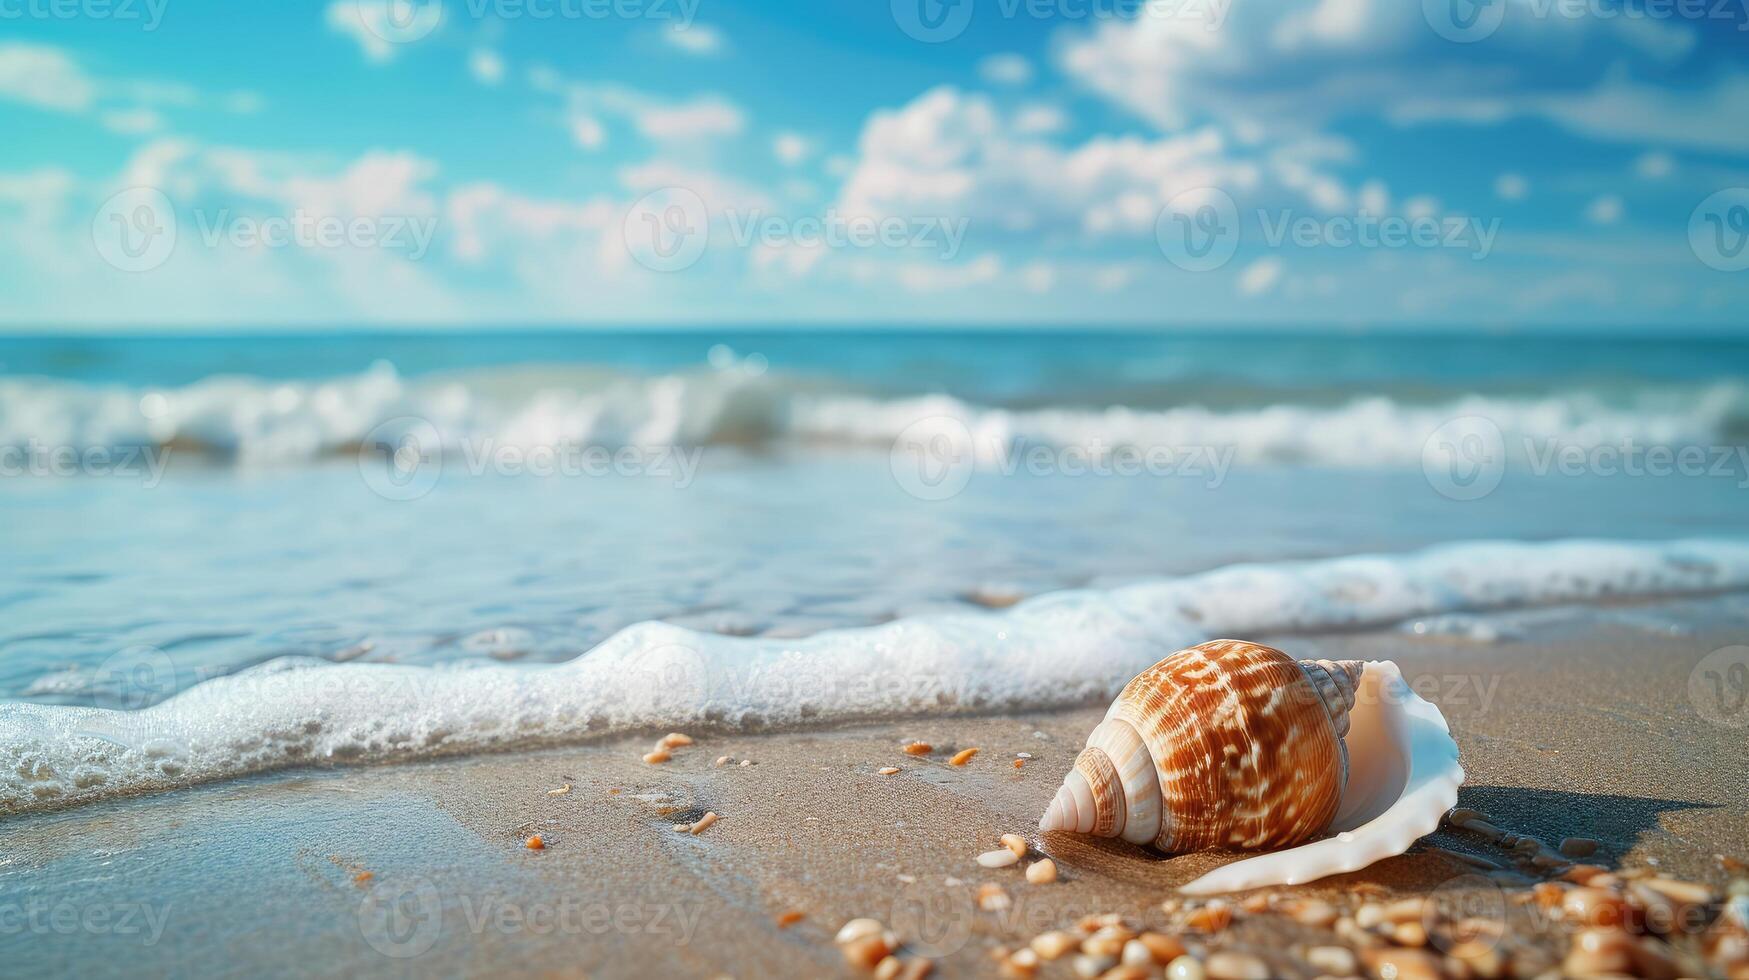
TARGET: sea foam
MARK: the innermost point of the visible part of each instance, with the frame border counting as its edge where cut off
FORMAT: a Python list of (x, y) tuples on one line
[(1055, 650), (252, 421)]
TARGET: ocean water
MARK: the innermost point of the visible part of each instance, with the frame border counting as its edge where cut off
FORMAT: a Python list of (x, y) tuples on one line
[(225, 555)]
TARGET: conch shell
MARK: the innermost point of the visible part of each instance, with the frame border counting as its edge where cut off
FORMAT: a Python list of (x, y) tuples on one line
[(1236, 745)]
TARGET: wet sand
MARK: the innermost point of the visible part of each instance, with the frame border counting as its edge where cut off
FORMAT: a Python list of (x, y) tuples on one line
[(1578, 729)]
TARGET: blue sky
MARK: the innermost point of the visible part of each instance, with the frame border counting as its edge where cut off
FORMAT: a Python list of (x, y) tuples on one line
[(210, 165)]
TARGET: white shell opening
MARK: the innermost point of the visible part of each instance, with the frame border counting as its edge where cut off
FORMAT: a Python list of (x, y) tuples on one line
[(1403, 775)]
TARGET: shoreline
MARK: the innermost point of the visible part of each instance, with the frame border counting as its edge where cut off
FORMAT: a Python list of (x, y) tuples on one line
[(1580, 728)]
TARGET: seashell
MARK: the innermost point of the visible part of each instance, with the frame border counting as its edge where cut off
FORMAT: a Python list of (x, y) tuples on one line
[(1235, 745)]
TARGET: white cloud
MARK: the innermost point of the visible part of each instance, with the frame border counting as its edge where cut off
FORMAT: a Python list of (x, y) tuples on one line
[(369, 23), (1005, 69), (695, 39), (701, 118), (131, 122), (1511, 187), (1260, 276), (933, 277), (486, 66), (1616, 109), (950, 154), (1605, 210), (1038, 277), (1111, 278), (588, 133), (44, 77), (1039, 120), (695, 120), (1665, 40), (1654, 165), (791, 148)]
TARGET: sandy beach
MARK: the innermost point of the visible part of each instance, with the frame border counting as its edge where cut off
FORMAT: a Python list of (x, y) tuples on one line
[(1576, 728)]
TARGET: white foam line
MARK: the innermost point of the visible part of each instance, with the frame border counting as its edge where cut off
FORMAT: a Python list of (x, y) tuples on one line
[(1056, 650)]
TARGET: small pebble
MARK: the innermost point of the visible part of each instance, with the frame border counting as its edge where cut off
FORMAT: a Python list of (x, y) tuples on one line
[(722, 760), (674, 739), (889, 770), (919, 748), (703, 823), (1578, 847), (1402, 964), (683, 827), (856, 929), (1235, 966), (1164, 949), (866, 952), (1312, 912), (1042, 872), (657, 756), (1053, 945), (790, 918), (991, 897), (1015, 843), (535, 843), (1213, 917), (1337, 961), (998, 859), (561, 791), (1089, 965), (1185, 967), (962, 757), (1136, 953)]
